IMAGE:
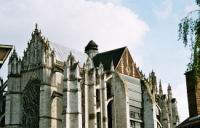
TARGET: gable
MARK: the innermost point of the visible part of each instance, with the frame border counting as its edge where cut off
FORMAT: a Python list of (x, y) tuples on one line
[(126, 65)]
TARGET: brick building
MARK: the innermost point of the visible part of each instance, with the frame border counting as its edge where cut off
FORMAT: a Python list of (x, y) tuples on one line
[(193, 93)]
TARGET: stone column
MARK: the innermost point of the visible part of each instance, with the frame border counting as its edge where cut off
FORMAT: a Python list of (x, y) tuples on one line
[(72, 94), (74, 110), (45, 106), (13, 114), (86, 113), (90, 94), (92, 99), (103, 93)]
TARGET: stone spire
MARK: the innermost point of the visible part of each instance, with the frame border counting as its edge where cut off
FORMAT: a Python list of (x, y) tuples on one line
[(13, 56), (36, 26), (101, 68), (112, 68), (70, 59), (91, 49), (36, 31), (160, 88), (14, 64), (89, 63), (169, 90), (153, 81)]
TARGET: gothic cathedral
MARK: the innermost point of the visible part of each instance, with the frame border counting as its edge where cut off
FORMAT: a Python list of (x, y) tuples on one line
[(52, 86)]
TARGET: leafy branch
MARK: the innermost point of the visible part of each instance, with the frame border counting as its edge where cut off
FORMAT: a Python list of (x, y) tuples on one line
[(189, 33)]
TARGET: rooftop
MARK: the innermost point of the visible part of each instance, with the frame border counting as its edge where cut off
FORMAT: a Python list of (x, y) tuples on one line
[(107, 57), (63, 52), (4, 52)]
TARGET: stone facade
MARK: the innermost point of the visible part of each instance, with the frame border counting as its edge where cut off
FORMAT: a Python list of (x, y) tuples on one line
[(51, 87)]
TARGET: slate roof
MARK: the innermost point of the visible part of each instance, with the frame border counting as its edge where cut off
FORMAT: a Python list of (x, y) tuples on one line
[(63, 52), (192, 122), (91, 45), (107, 57)]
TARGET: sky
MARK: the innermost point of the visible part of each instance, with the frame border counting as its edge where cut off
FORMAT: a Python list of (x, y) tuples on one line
[(148, 28)]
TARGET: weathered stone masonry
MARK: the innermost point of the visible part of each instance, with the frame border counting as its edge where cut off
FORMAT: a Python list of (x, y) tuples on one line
[(52, 86)]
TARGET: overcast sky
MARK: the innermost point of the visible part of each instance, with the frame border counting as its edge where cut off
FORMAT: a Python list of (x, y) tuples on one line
[(148, 28)]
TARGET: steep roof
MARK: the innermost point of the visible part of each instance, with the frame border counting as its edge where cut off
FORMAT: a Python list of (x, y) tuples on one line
[(107, 57), (193, 122), (63, 52), (4, 52)]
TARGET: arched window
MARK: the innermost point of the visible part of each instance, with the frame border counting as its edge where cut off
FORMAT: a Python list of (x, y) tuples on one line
[(30, 103)]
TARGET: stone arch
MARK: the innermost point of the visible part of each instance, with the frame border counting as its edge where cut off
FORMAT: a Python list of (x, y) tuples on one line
[(30, 104), (110, 114), (109, 91)]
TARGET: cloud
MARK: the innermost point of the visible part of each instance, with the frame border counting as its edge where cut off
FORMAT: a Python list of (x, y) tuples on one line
[(108, 1), (71, 23), (165, 10)]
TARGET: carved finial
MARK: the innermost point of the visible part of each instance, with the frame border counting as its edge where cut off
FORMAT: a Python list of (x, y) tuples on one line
[(101, 69), (36, 32), (36, 26), (70, 53), (112, 68), (14, 55), (70, 59), (169, 90), (14, 52), (160, 88), (100, 65), (89, 63), (169, 87)]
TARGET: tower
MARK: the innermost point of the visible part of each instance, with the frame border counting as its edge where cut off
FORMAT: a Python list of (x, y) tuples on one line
[(13, 97), (91, 49)]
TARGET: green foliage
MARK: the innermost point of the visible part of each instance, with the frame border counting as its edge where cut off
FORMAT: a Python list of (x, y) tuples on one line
[(198, 2), (189, 33)]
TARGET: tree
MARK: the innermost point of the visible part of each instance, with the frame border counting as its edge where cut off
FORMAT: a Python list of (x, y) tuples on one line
[(189, 33)]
